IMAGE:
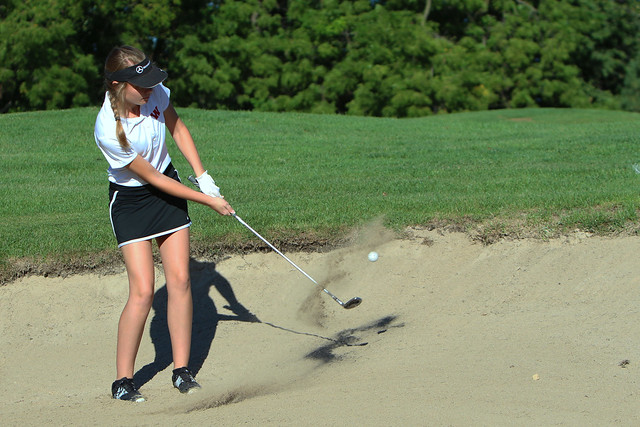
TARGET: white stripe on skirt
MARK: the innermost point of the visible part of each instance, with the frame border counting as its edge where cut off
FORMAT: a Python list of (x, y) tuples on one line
[(142, 239), (115, 194)]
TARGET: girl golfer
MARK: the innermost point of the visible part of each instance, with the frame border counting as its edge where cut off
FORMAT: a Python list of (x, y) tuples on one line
[(148, 202)]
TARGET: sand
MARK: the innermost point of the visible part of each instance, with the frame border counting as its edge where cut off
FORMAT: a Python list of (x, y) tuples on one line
[(450, 332)]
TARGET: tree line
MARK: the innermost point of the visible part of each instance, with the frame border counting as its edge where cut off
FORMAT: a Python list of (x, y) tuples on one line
[(393, 58)]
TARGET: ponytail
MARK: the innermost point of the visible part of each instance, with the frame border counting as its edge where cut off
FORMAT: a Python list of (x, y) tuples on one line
[(116, 95)]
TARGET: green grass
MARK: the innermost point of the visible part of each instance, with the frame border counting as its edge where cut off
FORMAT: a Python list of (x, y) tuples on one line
[(314, 177)]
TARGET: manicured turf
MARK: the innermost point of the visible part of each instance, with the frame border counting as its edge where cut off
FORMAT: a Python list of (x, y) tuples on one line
[(314, 177)]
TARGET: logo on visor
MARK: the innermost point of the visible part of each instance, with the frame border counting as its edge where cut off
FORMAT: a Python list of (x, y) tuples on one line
[(140, 69)]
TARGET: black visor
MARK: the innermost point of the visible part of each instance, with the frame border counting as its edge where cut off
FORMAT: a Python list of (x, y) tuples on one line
[(144, 74)]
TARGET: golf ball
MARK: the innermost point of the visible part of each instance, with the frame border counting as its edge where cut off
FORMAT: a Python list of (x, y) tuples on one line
[(373, 256)]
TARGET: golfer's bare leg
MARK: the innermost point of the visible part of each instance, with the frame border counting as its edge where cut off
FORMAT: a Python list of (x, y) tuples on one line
[(139, 262), (174, 250)]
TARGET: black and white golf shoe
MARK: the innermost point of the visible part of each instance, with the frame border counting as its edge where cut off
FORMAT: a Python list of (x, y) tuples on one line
[(125, 389), (184, 381)]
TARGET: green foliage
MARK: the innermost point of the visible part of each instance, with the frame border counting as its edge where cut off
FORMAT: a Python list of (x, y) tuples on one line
[(630, 96), (38, 67), (405, 58)]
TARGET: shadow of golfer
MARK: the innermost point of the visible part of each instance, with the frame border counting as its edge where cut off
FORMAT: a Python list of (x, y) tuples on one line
[(205, 320)]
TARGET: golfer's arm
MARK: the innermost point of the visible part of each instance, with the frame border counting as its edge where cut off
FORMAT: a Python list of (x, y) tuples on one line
[(144, 170), (183, 139)]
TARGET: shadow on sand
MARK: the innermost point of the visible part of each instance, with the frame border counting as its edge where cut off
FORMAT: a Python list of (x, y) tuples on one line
[(205, 320)]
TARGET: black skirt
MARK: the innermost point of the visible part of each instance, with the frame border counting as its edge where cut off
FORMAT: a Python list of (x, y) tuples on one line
[(144, 213)]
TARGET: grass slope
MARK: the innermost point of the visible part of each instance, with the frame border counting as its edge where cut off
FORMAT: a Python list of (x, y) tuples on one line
[(308, 179)]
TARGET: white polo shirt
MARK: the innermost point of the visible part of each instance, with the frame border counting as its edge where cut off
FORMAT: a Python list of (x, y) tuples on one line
[(146, 134)]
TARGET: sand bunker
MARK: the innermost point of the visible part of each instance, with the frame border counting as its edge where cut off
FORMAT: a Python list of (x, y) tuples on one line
[(450, 332)]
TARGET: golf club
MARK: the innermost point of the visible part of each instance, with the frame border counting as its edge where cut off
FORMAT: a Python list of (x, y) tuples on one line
[(352, 303)]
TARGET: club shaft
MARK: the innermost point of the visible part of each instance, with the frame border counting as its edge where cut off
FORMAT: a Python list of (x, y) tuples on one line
[(353, 302), (285, 257)]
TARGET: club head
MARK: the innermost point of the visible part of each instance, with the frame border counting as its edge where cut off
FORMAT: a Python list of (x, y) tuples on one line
[(352, 303)]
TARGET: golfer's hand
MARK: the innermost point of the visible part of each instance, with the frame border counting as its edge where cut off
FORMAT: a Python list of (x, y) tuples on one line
[(220, 205), (208, 185)]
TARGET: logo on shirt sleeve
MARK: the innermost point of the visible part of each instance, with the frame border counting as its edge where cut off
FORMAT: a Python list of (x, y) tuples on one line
[(156, 113)]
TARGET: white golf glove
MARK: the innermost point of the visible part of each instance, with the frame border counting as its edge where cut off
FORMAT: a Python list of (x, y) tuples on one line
[(208, 185)]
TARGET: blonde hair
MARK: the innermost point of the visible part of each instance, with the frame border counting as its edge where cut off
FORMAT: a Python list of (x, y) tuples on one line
[(119, 58)]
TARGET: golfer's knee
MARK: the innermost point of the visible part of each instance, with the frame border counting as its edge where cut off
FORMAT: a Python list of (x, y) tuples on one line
[(179, 283), (142, 297)]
